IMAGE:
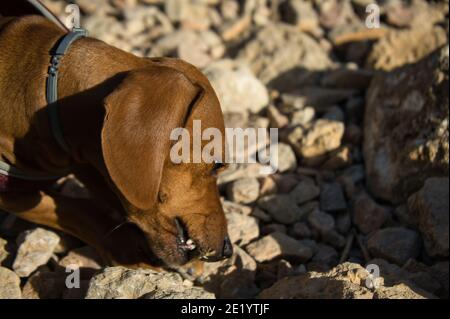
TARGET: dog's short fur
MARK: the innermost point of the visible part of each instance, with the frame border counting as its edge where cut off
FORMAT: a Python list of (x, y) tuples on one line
[(116, 111)]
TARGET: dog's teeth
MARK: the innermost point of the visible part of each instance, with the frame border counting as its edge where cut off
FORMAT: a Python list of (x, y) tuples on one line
[(190, 244)]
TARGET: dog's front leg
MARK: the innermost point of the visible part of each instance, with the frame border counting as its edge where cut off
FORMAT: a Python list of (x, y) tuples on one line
[(84, 219)]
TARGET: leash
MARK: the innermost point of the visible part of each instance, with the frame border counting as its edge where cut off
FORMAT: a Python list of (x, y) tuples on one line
[(52, 108)]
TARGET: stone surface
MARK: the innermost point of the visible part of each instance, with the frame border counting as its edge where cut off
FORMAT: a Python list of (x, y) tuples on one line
[(35, 249), (242, 229), (3, 252), (346, 281), (406, 128), (332, 197), (401, 47), (122, 283), (395, 244), (368, 216), (430, 205), (244, 191), (324, 136), (305, 191), (236, 87), (9, 284), (281, 207), (321, 222), (277, 245), (286, 158)]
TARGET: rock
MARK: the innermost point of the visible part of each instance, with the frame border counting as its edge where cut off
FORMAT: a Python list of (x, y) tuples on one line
[(395, 244), (320, 98), (44, 284), (333, 238), (3, 252), (339, 159), (324, 136), (9, 284), (305, 191), (272, 228), (282, 57), (401, 47), (346, 281), (261, 215), (406, 128), (231, 278), (334, 113), (242, 229), (347, 78), (368, 216), (285, 182), (237, 171), (430, 205), (83, 257), (281, 207), (199, 48), (236, 87), (326, 255), (400, 291), (35, 249), (440, 272), (230, 207), (277, 119), (300, 230), (343, 222), (286, 158), (303, 117), (243, 191), (332, 198), (277, 245), (321, 222), (268, 186), (123, 283), (300, 13)]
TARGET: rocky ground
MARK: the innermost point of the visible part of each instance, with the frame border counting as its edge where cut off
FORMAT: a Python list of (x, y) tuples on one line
[(364, 154)]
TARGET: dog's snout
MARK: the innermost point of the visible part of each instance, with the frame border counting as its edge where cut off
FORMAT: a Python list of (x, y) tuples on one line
[(227, 250)]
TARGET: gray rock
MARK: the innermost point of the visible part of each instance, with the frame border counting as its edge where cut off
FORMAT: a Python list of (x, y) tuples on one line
[(242, 229), (300, 230), (368, 216), (36, 249), (261, 215), (9, 284), (236, 87), (243, 191), (278, 245), (406, 128), (326, 255), (304, 192), (395, 244), (123, 283), (332, 198), (430, 205), (281, 207), (272, 228), (321, 222)]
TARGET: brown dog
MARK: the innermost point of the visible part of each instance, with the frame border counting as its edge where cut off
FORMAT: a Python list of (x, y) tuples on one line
[(116, 112)]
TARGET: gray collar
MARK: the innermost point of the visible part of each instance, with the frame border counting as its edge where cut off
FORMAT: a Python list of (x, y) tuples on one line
[(52, 84)]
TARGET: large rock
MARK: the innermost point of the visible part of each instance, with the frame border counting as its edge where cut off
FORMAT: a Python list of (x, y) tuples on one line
[(406, 127), (395, 244), (430, 206), (242, 228), (9, 284), (281, 56), (123, 283), (36, 249), (244, 191), (282, 208), (236, 87), (400, 47), (305, 191), (368, 216), (231, 278), (346, 281), (278, 245)]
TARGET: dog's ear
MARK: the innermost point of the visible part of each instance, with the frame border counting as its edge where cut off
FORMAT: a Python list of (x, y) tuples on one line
[(140, 115)]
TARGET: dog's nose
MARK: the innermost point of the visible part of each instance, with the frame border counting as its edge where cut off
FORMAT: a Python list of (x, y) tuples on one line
[(227, 250)]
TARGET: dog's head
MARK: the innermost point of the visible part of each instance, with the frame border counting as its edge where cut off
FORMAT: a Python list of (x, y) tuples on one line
[(177, 206)]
